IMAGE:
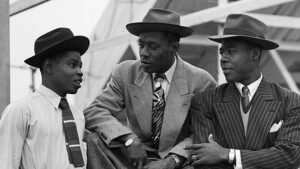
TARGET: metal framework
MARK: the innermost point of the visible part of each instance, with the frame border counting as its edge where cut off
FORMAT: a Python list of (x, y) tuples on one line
[(217, 14)]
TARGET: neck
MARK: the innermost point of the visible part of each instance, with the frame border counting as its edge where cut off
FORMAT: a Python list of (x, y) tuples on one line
[(52, 87)]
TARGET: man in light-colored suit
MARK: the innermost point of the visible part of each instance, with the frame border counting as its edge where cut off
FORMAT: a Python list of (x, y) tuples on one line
[(155, 140), (248, 122)]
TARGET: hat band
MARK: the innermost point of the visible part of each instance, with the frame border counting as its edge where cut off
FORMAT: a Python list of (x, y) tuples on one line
[(234, 31)]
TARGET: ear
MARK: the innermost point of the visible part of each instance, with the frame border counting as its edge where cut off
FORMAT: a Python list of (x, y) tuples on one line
[(175, 47), (48, 66), (256, 53)]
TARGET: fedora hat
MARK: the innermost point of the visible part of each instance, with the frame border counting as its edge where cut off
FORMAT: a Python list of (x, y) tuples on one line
[(157, 20), (57, 40), (247, 28)]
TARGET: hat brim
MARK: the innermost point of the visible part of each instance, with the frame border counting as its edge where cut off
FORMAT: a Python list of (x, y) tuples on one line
[(141, 27), (76, 43), (264, 43)]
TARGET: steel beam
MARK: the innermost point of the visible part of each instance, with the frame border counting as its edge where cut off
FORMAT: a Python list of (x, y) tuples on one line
[(22, 5), (218, 12), (4, 55), (274, 20), (285, 73)]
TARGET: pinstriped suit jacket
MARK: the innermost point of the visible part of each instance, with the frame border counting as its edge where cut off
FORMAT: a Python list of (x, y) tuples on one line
[(217, 111)]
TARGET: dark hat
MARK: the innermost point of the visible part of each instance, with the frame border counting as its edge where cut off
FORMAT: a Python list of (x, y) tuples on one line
[(57, 40), (247, 28), (157, 20)]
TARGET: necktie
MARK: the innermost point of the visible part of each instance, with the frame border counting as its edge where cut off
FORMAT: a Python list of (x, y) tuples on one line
[(245, 99), (158, 108), (71, 135)]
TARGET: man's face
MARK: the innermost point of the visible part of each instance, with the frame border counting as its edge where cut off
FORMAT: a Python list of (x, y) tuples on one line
[(67, 75), (236, 60), (156, 52)]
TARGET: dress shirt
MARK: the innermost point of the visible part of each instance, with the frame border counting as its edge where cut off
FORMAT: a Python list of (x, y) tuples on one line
[(31, 133), (252, 89), (169, 75)]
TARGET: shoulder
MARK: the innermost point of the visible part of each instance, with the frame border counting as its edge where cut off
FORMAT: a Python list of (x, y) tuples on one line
[(213, 92), (20, 109), (127, 65), (195, 72), (284, 94)]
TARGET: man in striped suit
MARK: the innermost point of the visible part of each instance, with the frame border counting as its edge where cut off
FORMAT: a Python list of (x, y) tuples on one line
[(248, 122)]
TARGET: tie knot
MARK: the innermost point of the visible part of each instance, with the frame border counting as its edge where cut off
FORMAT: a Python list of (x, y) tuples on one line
[(159, 77), (63, 104), (245, 91)]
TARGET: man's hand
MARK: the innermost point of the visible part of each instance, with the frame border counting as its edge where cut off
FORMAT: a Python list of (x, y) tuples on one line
[(167, 163), (208, 153), (136, 153)]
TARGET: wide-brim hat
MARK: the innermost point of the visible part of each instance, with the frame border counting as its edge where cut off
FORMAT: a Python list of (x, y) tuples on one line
[(247, 28), (57, 40), (159, 20)]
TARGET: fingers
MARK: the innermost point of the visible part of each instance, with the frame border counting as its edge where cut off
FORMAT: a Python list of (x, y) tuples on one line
[(211, 138), (140, 164), (193, 146), (194, 158), (134, 163)]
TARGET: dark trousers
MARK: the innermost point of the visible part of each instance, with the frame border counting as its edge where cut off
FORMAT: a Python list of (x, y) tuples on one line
[(99, 156)]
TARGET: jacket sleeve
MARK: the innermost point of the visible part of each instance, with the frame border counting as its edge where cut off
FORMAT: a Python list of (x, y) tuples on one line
[(179, 148), (100, 114)]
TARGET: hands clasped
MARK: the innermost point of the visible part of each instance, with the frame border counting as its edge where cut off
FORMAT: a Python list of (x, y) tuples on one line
[(208, 153), (137, 155)]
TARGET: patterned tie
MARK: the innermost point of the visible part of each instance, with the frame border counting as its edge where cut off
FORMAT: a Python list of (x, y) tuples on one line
[(158, 108), (70, 130), (245, 99)]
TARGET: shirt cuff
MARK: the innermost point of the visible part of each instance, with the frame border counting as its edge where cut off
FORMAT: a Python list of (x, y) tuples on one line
[(238, 160)]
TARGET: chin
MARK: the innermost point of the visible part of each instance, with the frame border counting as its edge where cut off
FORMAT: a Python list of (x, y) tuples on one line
[(147, 70), (74, 91)]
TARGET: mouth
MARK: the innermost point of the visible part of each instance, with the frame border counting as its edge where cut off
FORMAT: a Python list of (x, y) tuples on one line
[(145, 63), (78, 81), (226, 69)]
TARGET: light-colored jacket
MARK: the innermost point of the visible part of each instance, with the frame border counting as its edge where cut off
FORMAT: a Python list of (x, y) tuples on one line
[(130, 89)]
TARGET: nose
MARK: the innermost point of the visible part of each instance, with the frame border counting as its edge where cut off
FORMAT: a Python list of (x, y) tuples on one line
[(79, 72), (223, 58), (144, 52)]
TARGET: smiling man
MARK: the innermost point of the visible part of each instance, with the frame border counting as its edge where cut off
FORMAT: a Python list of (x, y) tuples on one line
[(42, 130), (155, 93), (248, 122)]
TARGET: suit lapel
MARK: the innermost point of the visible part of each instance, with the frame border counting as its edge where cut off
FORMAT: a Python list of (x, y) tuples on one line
[(140, 93), (177, 105), (262, 115), (228, 114)]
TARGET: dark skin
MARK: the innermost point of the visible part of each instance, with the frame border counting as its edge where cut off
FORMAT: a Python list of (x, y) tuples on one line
[(240, 63), (62, 73), (157, 55)]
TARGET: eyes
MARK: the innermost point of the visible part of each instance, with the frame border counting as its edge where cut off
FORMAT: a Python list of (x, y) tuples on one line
[(74, 64), (228, 51), (150, 45)]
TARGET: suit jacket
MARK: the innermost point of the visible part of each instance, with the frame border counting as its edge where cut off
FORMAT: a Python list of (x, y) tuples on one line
[(130, 89), (217, 111)]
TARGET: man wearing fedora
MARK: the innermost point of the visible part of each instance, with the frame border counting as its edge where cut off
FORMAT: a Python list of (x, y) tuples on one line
[(155, 93), (42, 130), (248, 122)]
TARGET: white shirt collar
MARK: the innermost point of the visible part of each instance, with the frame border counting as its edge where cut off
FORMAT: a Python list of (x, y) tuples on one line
[(53, 97), (170, 72), (252, 87)]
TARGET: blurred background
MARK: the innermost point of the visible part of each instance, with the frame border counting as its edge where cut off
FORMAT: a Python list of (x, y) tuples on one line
[(103, 21)]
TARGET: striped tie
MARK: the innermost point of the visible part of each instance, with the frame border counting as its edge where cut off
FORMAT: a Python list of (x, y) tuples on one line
[(71, 135), (245, 99), (158, 108)]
